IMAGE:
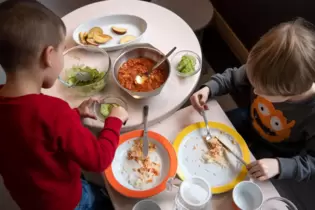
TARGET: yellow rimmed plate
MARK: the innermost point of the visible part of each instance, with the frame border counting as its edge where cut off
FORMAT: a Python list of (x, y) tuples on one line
[(190, 146)]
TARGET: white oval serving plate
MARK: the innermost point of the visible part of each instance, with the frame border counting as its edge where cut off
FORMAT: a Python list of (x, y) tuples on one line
[(135, 26)]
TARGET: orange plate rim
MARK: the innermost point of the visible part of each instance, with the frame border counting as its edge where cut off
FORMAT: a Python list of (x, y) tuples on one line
[(155, 190)]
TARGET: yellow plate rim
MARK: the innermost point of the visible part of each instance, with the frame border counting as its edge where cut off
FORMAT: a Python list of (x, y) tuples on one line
[(233, 133)]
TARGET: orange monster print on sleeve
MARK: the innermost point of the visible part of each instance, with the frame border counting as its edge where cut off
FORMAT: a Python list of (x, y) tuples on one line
[(270, 123)]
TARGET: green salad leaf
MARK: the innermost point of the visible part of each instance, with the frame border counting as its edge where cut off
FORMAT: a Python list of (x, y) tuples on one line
[(95, 75), (187, 64)]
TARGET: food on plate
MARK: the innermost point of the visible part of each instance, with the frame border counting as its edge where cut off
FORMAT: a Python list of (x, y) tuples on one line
[(135, 153), (127, 38), (186, 64), (101, 38), (137, 66), (96, 30), (94, 36), (118, 30), (148, 169), (94, 74), (215, 152), (83, 36), (91, 42), (90, 35), (106, 109)]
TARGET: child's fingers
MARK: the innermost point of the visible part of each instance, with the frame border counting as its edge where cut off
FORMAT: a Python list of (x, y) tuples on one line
[(94, 99), (251, 165), (195, 103), (201, 100), (254, 169), (257, 174)]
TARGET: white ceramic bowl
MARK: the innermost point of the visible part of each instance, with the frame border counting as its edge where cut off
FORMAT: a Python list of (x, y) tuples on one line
[(247, 196), (135, 26)]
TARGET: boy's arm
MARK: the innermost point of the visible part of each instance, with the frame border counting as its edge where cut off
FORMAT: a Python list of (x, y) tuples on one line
[(91, 153), (301, 167), (231, 80)]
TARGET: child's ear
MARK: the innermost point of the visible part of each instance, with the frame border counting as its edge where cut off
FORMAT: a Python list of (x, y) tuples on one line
[(47, 57)]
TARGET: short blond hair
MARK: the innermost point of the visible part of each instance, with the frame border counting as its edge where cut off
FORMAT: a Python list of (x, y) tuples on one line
[(282, 63)]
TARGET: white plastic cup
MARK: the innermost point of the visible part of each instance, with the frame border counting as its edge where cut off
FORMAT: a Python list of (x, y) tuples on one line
[(247, 196), (146, 205)]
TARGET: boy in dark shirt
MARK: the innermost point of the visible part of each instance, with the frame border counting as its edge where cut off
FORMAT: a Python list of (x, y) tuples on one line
[(43, 144), (280, 74)]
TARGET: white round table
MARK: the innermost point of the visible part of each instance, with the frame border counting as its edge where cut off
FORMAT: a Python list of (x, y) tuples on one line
[(165, 30)]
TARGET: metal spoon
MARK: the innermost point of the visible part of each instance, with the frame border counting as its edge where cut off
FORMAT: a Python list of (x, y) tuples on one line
[(141, 78), (83, 76), (209, 136)]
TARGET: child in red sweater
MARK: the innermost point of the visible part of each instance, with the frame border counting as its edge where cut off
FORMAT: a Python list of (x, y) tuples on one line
[(43, 144)]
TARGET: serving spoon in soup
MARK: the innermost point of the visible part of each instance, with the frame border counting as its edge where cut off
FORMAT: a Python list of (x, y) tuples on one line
[(140, 78)]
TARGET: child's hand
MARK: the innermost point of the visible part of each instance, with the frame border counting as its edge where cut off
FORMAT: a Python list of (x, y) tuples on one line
[(198, 99), (120, 113), (84, 108), (263, 169)]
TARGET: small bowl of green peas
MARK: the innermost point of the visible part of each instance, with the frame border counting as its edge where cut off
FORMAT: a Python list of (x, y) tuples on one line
[(186, 63)]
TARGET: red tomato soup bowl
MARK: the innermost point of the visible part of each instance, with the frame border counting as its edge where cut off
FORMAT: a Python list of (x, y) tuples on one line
[(145, 53)]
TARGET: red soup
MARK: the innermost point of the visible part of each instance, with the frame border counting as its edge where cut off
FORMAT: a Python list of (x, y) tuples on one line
[(135, 66)]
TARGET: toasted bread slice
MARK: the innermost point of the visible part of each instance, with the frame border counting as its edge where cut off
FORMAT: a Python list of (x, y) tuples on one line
[(91, 42), (127, 38), (101, 38), (118, 30), (96, 30)]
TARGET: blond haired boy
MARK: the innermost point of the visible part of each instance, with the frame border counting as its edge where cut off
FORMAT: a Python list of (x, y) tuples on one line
[(280, 122)]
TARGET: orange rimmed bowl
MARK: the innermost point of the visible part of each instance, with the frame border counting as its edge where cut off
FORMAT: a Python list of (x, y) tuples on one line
[(118, 174)]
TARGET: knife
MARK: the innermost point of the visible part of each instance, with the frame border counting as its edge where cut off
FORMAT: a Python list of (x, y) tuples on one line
[(233, 153), (145, 140)]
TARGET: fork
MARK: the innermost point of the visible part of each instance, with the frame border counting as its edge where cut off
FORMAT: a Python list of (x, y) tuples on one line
[(209, 136)]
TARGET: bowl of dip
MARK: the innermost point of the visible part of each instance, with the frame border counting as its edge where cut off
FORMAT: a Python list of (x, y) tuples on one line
[(137, 61)]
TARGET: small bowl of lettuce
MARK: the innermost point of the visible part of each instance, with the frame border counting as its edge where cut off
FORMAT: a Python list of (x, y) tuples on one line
[(92, 62), (104, 108), (186, 63)]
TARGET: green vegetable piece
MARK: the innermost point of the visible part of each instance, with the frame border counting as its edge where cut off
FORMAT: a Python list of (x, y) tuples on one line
[(72, 80), (187, 64), (95, 75), (106, 109)]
